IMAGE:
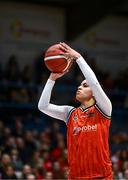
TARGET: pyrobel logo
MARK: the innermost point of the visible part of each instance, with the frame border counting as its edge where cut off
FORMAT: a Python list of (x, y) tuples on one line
[(88, 128)]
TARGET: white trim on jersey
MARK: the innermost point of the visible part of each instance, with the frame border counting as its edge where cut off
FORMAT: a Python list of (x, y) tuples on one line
[(98, 108), (70, 112)]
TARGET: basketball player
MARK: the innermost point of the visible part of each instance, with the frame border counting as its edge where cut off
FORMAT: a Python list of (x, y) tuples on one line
[(87, 125)]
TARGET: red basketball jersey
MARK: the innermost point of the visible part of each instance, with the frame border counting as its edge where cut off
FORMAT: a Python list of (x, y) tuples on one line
[(88, 148)]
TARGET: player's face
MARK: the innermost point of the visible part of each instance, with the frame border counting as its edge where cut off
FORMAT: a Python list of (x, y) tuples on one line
[(84, 92)]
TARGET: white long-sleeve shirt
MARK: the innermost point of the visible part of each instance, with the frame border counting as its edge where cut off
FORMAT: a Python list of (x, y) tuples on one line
[(61, 112)]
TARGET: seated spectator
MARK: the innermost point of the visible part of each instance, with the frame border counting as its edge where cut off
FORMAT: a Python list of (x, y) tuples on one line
[(15, 160), (27, 170), (126, 174), (9, 173), (27, 74), (48, 175), (4, 163), (31, 177), (12, 72)]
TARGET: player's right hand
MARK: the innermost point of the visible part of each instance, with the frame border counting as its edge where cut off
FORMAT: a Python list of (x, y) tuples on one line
[(54, 76)]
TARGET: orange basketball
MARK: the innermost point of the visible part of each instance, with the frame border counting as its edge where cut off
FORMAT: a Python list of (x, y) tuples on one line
[(55, 61)]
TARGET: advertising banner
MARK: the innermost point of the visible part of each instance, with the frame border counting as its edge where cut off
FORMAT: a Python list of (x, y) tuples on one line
[(107, 41), (26, 29)]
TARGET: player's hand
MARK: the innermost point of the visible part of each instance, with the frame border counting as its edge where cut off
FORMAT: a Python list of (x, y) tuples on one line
[(69, 52), (54, 76)]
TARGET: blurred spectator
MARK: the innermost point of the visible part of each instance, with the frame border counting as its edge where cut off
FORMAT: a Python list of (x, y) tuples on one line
[(27, 170), (57, 171), (15, 160), (27, 74), (47, 162), (7, 132), (4, 163), (39, 171), (40, 71), (12, 72), (21, 148), (9, 144), (48, 175), (36, 160), (31, 177), (9, 173), (117, 174), (30, 145), (24, 96), (126, 174), (18, 130), (125, 165)]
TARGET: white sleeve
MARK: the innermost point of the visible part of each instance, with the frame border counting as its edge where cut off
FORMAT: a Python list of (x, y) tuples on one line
[(55, 111), (101, 98)]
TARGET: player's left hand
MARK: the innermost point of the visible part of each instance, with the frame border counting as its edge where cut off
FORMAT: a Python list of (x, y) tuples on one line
[(69, 52)]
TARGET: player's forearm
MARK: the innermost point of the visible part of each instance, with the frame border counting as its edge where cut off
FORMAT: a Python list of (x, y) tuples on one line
[(46, 95)]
